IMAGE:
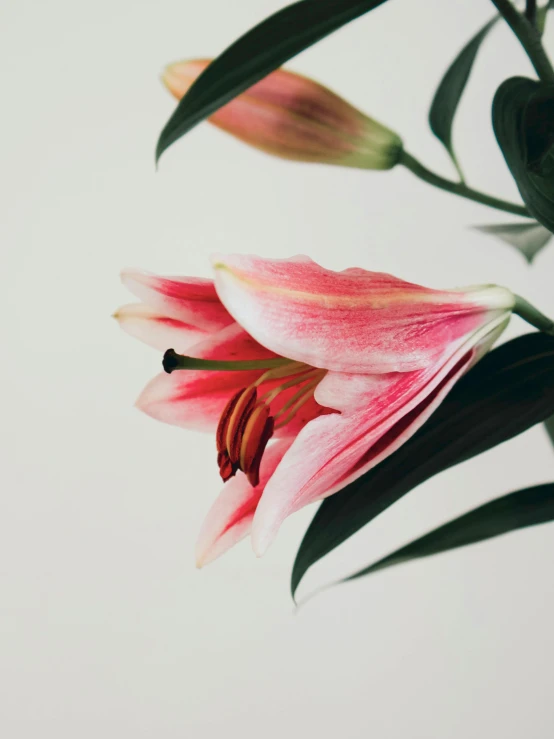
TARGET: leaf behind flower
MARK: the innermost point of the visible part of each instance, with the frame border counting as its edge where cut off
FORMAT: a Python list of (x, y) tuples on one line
[(507, 392), (524, 508)]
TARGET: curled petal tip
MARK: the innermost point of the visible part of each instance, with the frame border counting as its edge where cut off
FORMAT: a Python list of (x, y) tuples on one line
[(261, 541), (177, 77), (165, 76), (144, 401), (170, 79), (217, 260), (139, 404), (202, 556), (130, 277), (128, 271)]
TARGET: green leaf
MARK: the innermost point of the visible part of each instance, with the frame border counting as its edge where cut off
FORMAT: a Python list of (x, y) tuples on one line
[(261, 50), (450, 90), (523, 121), (508, 391), (549, 423), (528, 238), (520, 510)]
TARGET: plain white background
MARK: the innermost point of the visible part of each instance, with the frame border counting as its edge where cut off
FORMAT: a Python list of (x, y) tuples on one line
[(107, 629)]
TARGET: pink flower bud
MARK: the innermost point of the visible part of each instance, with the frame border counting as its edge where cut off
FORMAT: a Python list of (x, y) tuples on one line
[(293, 117)]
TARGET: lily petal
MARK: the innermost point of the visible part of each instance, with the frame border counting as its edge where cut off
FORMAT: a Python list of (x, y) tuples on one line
[(230, 518), (157, 330), (192, 300), (293, 306), (379, 413)]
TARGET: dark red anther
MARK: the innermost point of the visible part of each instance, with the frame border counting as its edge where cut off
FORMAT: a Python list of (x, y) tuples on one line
[(258, 431), (237, 422), (226, 467), (230, 429), (221, 433)]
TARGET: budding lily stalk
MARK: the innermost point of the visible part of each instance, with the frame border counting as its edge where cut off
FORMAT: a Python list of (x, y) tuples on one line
[(293, 117)]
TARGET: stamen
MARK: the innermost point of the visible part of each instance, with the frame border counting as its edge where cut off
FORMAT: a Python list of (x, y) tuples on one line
[(270, 396), (301, 397), (221, 433), (257, 433), (246, 426), (173, 361), (284, 371), (237, 422), (226, 468)]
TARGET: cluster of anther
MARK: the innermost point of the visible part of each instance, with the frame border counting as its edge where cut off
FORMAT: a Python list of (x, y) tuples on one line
[(244, 429), (246, 424)]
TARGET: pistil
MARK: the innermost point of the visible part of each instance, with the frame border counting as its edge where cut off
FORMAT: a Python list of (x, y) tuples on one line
[(173, 361)]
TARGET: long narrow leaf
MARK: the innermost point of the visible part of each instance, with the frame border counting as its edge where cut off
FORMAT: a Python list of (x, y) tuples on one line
[(450, 90), (508, 391), (261, 50), (549, 424), (519, 510)]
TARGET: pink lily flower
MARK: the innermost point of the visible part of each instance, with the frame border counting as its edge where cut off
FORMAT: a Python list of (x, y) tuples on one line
[(293, 117), (306, 377)]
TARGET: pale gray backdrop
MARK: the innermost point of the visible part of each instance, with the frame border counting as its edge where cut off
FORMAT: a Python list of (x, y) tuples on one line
[(107, 628)]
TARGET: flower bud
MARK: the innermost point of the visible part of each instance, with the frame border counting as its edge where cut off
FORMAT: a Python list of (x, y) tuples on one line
[(293, 117)]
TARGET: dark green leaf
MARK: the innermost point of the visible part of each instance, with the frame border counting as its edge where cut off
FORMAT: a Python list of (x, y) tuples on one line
[(528, 238), (523, 120), (450, 90), (256, 54), (549, 423), (519, 510), (509, 390)]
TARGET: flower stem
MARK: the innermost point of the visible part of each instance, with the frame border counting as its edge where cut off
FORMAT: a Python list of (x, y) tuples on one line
[(459, 188), (173, 361), (529, 313), (531, 12), (528, 37)]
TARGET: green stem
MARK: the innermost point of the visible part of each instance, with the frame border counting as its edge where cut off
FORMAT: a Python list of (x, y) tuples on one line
[(459, 188), (529, 313), (173, 361), (531, 12), (528, 37)]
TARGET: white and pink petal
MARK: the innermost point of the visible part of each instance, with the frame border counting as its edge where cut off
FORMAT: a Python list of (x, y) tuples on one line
[(157, 330), (192, 300), (230, 518), (350, 321), (378, 414)]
